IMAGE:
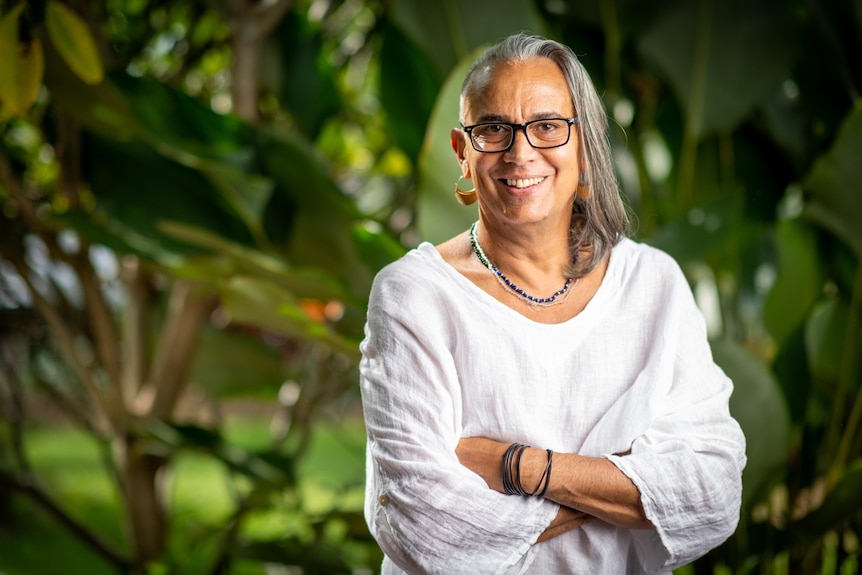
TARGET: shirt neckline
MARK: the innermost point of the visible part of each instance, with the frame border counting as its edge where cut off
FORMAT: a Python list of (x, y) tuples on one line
[(606, 288)]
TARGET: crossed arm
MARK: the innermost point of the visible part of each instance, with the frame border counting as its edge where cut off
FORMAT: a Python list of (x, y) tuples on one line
[(584, 487)]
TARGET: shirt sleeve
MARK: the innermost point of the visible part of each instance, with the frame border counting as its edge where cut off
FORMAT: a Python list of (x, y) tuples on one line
[(688, 463), (428, 513)]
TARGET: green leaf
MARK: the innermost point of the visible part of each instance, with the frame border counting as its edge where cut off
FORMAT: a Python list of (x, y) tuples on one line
[(799, 282), (309, 216), (758, 405), (74, 41), (21, 66), (439, 215), (408, 87), (303, 75), (825, 340), (448, 31), (246, 193), (792, 369), (746, 52), (122, 239), (260, 303), (376, 247), (834, 184), (176, 123), (703, 229), (230, 258), (140, 188)]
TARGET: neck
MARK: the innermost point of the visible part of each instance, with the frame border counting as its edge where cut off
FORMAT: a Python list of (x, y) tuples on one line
[(524, 288), (536, 250)]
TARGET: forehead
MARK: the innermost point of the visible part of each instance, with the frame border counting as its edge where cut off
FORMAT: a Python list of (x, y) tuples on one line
[(521, 91)]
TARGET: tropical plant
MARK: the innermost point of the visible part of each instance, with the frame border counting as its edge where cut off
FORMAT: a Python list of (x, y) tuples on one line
[(156, 249), (172, 252)]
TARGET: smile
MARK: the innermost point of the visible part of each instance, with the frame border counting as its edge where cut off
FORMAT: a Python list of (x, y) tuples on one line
[(526, 183)]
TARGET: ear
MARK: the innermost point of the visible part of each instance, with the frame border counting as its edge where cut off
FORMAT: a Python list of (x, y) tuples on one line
[(458, 141)]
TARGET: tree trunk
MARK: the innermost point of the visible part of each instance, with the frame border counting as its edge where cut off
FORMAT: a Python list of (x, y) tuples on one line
[(145, 507)]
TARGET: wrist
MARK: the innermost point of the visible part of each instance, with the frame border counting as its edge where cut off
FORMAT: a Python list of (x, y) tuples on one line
[(526, 470)]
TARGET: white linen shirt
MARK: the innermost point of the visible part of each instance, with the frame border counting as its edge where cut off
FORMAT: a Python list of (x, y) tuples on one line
[(442, 360)]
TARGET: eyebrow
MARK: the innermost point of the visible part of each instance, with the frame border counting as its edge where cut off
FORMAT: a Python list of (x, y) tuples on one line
[(506, 120)]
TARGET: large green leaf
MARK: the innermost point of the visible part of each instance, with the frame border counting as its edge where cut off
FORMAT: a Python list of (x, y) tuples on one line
[(799, 282), (304, 77), (826, 342), (230, 259), (700, 231), (792, 369), (102, 108), (22, 65), (376, 247), (139, 188), (439, 216), (174, 121), (758, 405), (309, 217), (835, 184), (74, 41), (110, 232), (447, 31), (253, 301), (408, 87), (721, 58)]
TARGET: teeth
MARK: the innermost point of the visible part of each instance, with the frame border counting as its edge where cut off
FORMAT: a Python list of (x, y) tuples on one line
[(524, 183)]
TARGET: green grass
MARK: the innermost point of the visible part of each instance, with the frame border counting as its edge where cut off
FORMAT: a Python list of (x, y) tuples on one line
[(201, 491)]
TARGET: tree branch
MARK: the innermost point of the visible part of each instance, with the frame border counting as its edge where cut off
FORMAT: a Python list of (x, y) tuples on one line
[(25, 484), (250, 24), (134, 328), (169, 375), (67, 346)]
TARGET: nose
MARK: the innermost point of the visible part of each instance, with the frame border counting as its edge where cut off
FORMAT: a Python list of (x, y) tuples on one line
[(521, 146)]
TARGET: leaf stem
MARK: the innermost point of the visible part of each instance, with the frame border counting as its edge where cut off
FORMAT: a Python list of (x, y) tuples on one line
[(844, 379), (694, 112)]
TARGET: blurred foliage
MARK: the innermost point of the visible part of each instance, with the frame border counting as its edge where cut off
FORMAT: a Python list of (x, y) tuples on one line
[(197, 194)]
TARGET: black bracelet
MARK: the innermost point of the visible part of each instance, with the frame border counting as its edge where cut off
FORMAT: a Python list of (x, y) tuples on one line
[(546, 477), (511, 475), (518, 485), (511, 486), (547, 474)]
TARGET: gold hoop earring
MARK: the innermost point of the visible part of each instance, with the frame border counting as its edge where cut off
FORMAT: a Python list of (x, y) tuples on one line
[(583, 190), (464, 197)]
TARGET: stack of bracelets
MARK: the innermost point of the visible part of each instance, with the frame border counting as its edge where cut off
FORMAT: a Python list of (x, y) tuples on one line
[(512, 472)]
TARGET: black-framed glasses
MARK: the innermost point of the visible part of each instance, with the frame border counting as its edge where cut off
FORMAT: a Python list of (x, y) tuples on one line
[(492, 137)]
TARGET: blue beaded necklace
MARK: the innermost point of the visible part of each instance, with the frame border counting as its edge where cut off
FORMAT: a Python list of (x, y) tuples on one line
[(506, 282)]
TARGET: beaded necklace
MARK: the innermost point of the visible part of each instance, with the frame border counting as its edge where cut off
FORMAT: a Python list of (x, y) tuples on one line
[(534, 301)]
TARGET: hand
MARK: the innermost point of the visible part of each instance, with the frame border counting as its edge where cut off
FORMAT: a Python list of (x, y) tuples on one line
[(484, 457), (566, 520)]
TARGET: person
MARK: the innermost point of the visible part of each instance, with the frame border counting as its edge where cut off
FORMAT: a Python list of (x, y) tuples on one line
[(539, 392)]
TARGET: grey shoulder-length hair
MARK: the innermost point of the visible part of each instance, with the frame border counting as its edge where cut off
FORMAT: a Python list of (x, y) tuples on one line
[(600, 220)]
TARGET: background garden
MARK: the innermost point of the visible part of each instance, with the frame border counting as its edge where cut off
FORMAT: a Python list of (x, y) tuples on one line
[(196, 195)]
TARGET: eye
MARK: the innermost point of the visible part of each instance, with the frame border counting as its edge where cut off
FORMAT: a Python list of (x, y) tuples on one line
[(547, 126), (494, 128)]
